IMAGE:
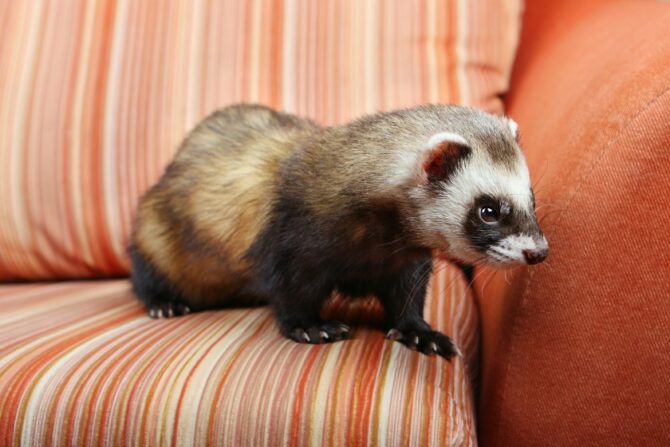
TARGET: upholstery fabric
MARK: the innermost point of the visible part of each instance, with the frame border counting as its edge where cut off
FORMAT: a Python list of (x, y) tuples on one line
[(576, 351), (81, 364), (95, 96)]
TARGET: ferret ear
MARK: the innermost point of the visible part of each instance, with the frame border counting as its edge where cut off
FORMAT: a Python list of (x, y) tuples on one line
[(445, 151), (514, 128)]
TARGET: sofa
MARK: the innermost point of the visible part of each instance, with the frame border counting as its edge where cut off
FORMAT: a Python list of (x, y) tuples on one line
[(574, 351)]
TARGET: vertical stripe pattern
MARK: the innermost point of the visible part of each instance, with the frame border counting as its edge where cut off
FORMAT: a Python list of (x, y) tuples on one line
[(96, 95), (81, 364)]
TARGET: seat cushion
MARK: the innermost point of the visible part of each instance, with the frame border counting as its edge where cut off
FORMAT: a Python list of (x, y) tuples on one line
[(82, 364), (94, 98)]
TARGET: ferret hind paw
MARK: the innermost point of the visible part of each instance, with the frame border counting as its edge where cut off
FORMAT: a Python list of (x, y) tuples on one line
[(167, 310)]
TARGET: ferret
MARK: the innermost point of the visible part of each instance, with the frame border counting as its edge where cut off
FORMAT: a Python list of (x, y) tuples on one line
[(260, 206)]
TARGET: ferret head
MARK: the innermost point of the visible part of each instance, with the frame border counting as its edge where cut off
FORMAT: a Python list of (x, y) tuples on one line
[(471, 196)]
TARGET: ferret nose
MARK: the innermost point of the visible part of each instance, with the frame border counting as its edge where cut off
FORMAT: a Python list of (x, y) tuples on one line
[(535, 256)]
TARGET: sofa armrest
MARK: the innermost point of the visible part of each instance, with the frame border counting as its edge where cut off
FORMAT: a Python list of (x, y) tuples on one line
[(576, 350)]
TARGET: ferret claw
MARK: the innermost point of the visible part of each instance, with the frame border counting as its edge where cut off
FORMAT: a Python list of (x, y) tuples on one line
[(168, 310), (426, 341), (326, 332), (343, 329), (394, 334)]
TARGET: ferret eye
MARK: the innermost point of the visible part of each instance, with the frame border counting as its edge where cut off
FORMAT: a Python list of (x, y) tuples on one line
[(489, 214)]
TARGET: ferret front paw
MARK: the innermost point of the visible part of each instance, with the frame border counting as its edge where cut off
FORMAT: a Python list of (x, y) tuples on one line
[(426, 341), (327, 332), (167, 310)]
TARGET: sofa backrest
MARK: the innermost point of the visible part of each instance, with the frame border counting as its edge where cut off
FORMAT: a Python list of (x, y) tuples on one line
[(94, 99)]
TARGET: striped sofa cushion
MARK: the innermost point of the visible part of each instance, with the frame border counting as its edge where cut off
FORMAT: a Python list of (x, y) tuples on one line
[(96, 95), (81, 364)]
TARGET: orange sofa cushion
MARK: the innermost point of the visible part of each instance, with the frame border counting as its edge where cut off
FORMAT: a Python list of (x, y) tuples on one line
[(82, 364), (576, 351), (94, 99)]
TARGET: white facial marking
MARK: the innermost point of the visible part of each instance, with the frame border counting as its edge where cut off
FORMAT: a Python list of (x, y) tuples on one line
[(510, 249), (481, 177)]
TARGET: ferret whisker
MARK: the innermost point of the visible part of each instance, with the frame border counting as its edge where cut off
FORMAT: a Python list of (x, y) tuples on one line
[(396, 251), (393, 241), (443, 267), (451, 282), (536, 185), (552, 211), (475, 277), (544, 217), (487, 281), (416, 284), (500, 255), (506, 278), (545, 205)]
